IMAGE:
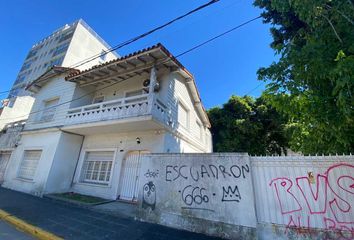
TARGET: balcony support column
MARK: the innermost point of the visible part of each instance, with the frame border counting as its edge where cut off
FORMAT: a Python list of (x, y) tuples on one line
[(152, 95)]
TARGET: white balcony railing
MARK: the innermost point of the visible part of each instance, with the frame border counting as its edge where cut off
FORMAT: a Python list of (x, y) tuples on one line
[(116, 109)]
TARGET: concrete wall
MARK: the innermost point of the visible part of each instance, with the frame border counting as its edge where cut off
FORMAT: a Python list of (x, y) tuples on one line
[(64, 163), (45, 141), (206, 193), (252, 197)]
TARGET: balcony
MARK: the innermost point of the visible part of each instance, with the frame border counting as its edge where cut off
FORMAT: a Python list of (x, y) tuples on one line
[(127, 112)]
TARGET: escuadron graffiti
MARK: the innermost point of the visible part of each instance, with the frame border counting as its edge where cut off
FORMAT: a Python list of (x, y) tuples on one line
[(330, 198), (197, 197)]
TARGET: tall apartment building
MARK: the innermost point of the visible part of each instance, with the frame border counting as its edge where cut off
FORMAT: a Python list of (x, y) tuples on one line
[(65, 47)]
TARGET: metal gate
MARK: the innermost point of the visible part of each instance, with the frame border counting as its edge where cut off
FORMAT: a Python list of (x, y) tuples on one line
[(4, 159), (130, 176)]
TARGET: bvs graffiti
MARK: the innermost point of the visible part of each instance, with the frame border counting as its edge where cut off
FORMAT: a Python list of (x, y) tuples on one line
[(332, 195)]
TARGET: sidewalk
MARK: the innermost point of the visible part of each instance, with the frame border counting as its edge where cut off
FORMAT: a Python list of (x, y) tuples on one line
[(72, 222)]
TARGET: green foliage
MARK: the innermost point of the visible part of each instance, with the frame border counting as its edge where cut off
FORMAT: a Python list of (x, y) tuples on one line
[(244, 124), (313, 81)]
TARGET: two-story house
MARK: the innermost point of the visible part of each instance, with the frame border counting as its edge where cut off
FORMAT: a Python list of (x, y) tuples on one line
[(88, 129)]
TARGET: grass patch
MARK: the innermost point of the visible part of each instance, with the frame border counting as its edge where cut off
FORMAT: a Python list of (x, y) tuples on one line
[(80, 197)]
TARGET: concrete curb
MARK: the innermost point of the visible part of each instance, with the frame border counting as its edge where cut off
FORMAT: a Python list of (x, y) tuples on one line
[(28, 228)]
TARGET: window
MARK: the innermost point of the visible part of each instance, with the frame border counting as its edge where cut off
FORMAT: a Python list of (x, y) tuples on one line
[(57, 62), (15, 92), (29, 164), (32, 53), (26, 66), (20, 79), (49, 110), (66, 36), (183, 115), (97, 167), (62, 48)]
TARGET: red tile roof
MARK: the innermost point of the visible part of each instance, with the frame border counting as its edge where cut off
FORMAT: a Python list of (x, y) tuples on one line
[(159, 45)]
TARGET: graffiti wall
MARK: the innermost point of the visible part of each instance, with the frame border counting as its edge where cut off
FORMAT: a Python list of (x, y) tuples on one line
[(241, 197), (187, 190), (306, 193)]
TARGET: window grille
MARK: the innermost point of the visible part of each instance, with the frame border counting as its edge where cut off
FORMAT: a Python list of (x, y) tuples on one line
[(97, 167)]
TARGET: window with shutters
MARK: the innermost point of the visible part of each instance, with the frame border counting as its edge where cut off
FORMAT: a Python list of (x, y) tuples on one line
[(183, 115), (49, 110), (29, 164), (97, 167)]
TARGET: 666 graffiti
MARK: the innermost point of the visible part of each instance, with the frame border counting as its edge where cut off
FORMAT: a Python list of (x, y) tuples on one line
[(195, 195)]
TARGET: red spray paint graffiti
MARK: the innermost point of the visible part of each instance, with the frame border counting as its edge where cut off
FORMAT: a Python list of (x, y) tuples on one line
[(331, 199)]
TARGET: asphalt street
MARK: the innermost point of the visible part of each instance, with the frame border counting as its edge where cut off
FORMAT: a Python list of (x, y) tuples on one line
[(9, 232)]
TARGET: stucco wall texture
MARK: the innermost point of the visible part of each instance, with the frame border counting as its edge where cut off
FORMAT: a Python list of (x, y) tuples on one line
[(236, 196)]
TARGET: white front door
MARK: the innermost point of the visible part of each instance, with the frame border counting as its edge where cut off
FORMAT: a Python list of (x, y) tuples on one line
[(4, 159), (130, 176)]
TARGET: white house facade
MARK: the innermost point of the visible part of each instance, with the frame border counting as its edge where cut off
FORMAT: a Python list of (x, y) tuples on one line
[(90, 128)]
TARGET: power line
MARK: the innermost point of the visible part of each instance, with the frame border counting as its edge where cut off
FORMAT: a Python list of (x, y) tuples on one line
[(134, 39), (177, 56), (254, 88), (218, 36)]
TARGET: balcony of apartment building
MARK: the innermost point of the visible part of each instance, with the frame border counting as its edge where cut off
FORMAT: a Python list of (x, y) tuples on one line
[(120, 96)]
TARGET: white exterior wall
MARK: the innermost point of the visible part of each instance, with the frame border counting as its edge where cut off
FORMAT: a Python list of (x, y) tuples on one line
[(57, 87), (19, 111), (121, 144), (176, 144), (178, 91), (84, 45), (47, 142), (63, 168)]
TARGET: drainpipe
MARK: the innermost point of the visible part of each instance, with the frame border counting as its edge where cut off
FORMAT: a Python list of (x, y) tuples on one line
[(78, 158)]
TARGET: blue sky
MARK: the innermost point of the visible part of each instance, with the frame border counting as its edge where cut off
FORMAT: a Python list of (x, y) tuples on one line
[(224, 67)]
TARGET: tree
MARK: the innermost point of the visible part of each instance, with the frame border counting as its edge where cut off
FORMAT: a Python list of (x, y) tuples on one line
[(244, 124), (312, 82)]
